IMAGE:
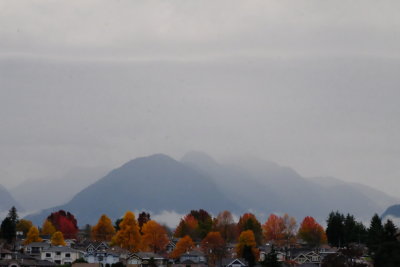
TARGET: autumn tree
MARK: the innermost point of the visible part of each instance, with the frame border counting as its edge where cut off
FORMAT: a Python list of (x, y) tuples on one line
[(247, 247), (64, 222), (204, 220), (273, 230), (225, 224), (24, 226), (312, 232), (248, 221), (32, 236), (48, 228), (103, 230), (213, 246), (128, 236), (57, 239), (289, 229), (187, 226), (154, 237), (143, 218), (183, 245)]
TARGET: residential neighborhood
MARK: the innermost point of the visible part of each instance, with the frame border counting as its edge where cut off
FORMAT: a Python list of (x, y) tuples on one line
[(198, 241)]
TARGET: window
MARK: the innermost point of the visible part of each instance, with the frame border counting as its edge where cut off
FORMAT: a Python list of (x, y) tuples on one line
[(58, 253), (68, 255), (48, 255)]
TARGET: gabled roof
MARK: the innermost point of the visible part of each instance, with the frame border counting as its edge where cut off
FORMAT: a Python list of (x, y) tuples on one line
[(146, 256), (227, 261)]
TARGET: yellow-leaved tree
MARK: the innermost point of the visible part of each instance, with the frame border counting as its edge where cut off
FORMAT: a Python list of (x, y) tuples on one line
[(154, 237), (184, 244), (48, 228), (128, 236), (57, 239), (247, 247), (24, 226), (32, 236), (103, 230)]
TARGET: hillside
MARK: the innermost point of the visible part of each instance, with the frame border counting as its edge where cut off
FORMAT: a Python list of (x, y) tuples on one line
[(7, 201), (266, 187), (155, 183)]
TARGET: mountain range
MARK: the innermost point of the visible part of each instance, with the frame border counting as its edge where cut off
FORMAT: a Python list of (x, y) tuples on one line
[(160, 183), (7, 200)]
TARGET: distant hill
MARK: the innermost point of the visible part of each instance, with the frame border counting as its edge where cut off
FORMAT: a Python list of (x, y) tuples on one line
[(155, 183), (265, 187), (393, 211), (159, 183), (7, 201), (38, 194)]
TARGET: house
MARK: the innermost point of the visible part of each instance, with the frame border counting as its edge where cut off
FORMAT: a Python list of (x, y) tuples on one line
[(101, 253), (26, 262), (310, 257), (193, 256), (5, 254), (236, 262), (146, 259), (35, 248), (61, 254)]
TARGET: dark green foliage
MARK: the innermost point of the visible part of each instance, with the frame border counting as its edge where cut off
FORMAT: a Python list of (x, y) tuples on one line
[(375, 234), (389, 231), (249, 256), (342, 231), (116, 224), (335, 229), (8, 226), (204, 221), (143, 218), (271, 259), (152, 262), (388, 255)]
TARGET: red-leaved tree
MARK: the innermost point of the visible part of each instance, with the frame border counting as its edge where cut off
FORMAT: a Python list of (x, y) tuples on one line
[(64, 222)]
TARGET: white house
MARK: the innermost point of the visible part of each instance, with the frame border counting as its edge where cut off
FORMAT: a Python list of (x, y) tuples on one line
[(61, 254)]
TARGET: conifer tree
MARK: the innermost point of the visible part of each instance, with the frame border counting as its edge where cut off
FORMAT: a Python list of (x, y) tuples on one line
[(154, 237)]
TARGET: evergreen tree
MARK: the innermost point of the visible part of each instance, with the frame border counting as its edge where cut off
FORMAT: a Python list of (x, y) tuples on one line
[(389, 231), (248, 255), (375, 234), (8, 230), (335, 230)]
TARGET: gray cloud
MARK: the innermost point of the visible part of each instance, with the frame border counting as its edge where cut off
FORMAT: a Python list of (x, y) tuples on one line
[(309, 84)]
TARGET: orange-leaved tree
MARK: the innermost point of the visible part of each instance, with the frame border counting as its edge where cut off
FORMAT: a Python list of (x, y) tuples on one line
[(184, 244), (48, 228), (248, 221), (154, 237), (247, 247), (273, 230), (128, 236), (57, 239), (103, 230), (213, 246), (225, 224), (312, 232), (32, 236), (187, 226)]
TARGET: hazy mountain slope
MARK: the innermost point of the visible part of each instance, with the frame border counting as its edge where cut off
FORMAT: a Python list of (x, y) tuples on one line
[(45, 193), (269, 187), (393, 211), (153, 183), (7, 201)]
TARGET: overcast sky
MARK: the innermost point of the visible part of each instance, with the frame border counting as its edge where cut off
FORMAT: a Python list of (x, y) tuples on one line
[(314, 85)]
